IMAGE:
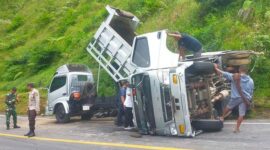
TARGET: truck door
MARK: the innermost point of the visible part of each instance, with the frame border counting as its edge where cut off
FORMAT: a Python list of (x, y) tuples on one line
[(180, 105), (57, 89)]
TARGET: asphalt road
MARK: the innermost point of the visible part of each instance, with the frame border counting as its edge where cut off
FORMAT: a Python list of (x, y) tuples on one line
[(103, 135)]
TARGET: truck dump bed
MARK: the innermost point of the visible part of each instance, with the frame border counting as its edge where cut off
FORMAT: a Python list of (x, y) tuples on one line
[(112, 43)]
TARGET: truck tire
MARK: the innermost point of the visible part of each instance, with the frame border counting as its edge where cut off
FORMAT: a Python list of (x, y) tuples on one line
[(201, 68), (86, 116), (61, 115), (207, 125)]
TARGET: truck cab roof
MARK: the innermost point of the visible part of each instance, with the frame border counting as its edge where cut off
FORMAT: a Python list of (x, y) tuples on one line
[(72, 68)]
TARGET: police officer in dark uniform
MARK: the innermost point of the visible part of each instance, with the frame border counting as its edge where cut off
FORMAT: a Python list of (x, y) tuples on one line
[(187, 42), (11, 100)]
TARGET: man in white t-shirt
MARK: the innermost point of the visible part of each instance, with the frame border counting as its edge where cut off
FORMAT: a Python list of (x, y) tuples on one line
[(128, 108)]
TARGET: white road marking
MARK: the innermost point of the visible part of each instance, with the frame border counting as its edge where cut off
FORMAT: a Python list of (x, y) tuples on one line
[(250, 123)]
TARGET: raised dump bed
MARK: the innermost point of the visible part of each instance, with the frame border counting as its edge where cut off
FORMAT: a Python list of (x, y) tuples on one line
[(112, 43)]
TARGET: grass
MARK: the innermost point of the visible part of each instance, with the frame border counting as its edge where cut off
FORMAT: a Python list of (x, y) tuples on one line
[(36, 37)]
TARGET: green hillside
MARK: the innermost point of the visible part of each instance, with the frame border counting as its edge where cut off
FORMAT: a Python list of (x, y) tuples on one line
[(36, 36)]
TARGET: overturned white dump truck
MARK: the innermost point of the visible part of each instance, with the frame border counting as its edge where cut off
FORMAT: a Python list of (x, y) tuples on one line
[(170, 97)]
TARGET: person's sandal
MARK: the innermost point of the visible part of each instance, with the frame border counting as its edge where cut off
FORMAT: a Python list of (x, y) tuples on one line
[(221, 119), (236, 131)]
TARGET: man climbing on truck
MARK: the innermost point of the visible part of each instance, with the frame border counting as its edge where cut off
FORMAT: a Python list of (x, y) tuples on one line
[(242, 87), (187, 42)]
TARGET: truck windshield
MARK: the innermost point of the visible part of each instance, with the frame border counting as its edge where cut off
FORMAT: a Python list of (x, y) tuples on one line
[(78, 82), (141, 55), (57, 83)]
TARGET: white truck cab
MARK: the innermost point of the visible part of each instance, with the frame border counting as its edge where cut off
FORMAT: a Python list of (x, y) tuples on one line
[(170, 97), (71, 93)]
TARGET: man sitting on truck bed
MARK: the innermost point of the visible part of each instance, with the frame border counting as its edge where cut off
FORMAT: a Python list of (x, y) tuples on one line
[(187, 42), (242, 87)]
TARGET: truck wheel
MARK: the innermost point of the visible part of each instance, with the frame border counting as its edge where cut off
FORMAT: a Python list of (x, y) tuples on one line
[(60, 114), (201, 68), (86, 116), (207, 125)]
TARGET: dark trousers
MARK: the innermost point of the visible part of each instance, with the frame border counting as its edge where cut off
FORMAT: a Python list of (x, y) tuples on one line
[(9, 113), (32, 119), (120, 115), (128, 117)]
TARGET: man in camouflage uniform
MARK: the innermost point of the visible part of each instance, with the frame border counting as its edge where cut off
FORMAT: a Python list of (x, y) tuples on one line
[(11, 100)]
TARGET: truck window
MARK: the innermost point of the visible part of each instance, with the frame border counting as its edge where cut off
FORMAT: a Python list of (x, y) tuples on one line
[(58, 82), (172, 44), (82, 78), (141, 55), (78, 82)]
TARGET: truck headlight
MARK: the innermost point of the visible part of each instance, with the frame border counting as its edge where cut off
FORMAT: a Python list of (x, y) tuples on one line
[(173, 129)]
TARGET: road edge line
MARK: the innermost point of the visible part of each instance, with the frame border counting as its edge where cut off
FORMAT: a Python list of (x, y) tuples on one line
[(121, 145)]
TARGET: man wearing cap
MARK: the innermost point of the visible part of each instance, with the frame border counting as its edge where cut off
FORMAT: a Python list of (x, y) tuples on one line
[(11, 100)]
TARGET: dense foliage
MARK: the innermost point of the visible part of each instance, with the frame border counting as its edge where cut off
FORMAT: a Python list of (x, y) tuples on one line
[(38, 36)]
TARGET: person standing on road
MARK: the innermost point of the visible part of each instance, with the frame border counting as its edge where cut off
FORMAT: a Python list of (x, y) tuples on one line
[(11, 100), (128, 108), (186, 42), (33, 108), (242, 87), (121, 110)]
